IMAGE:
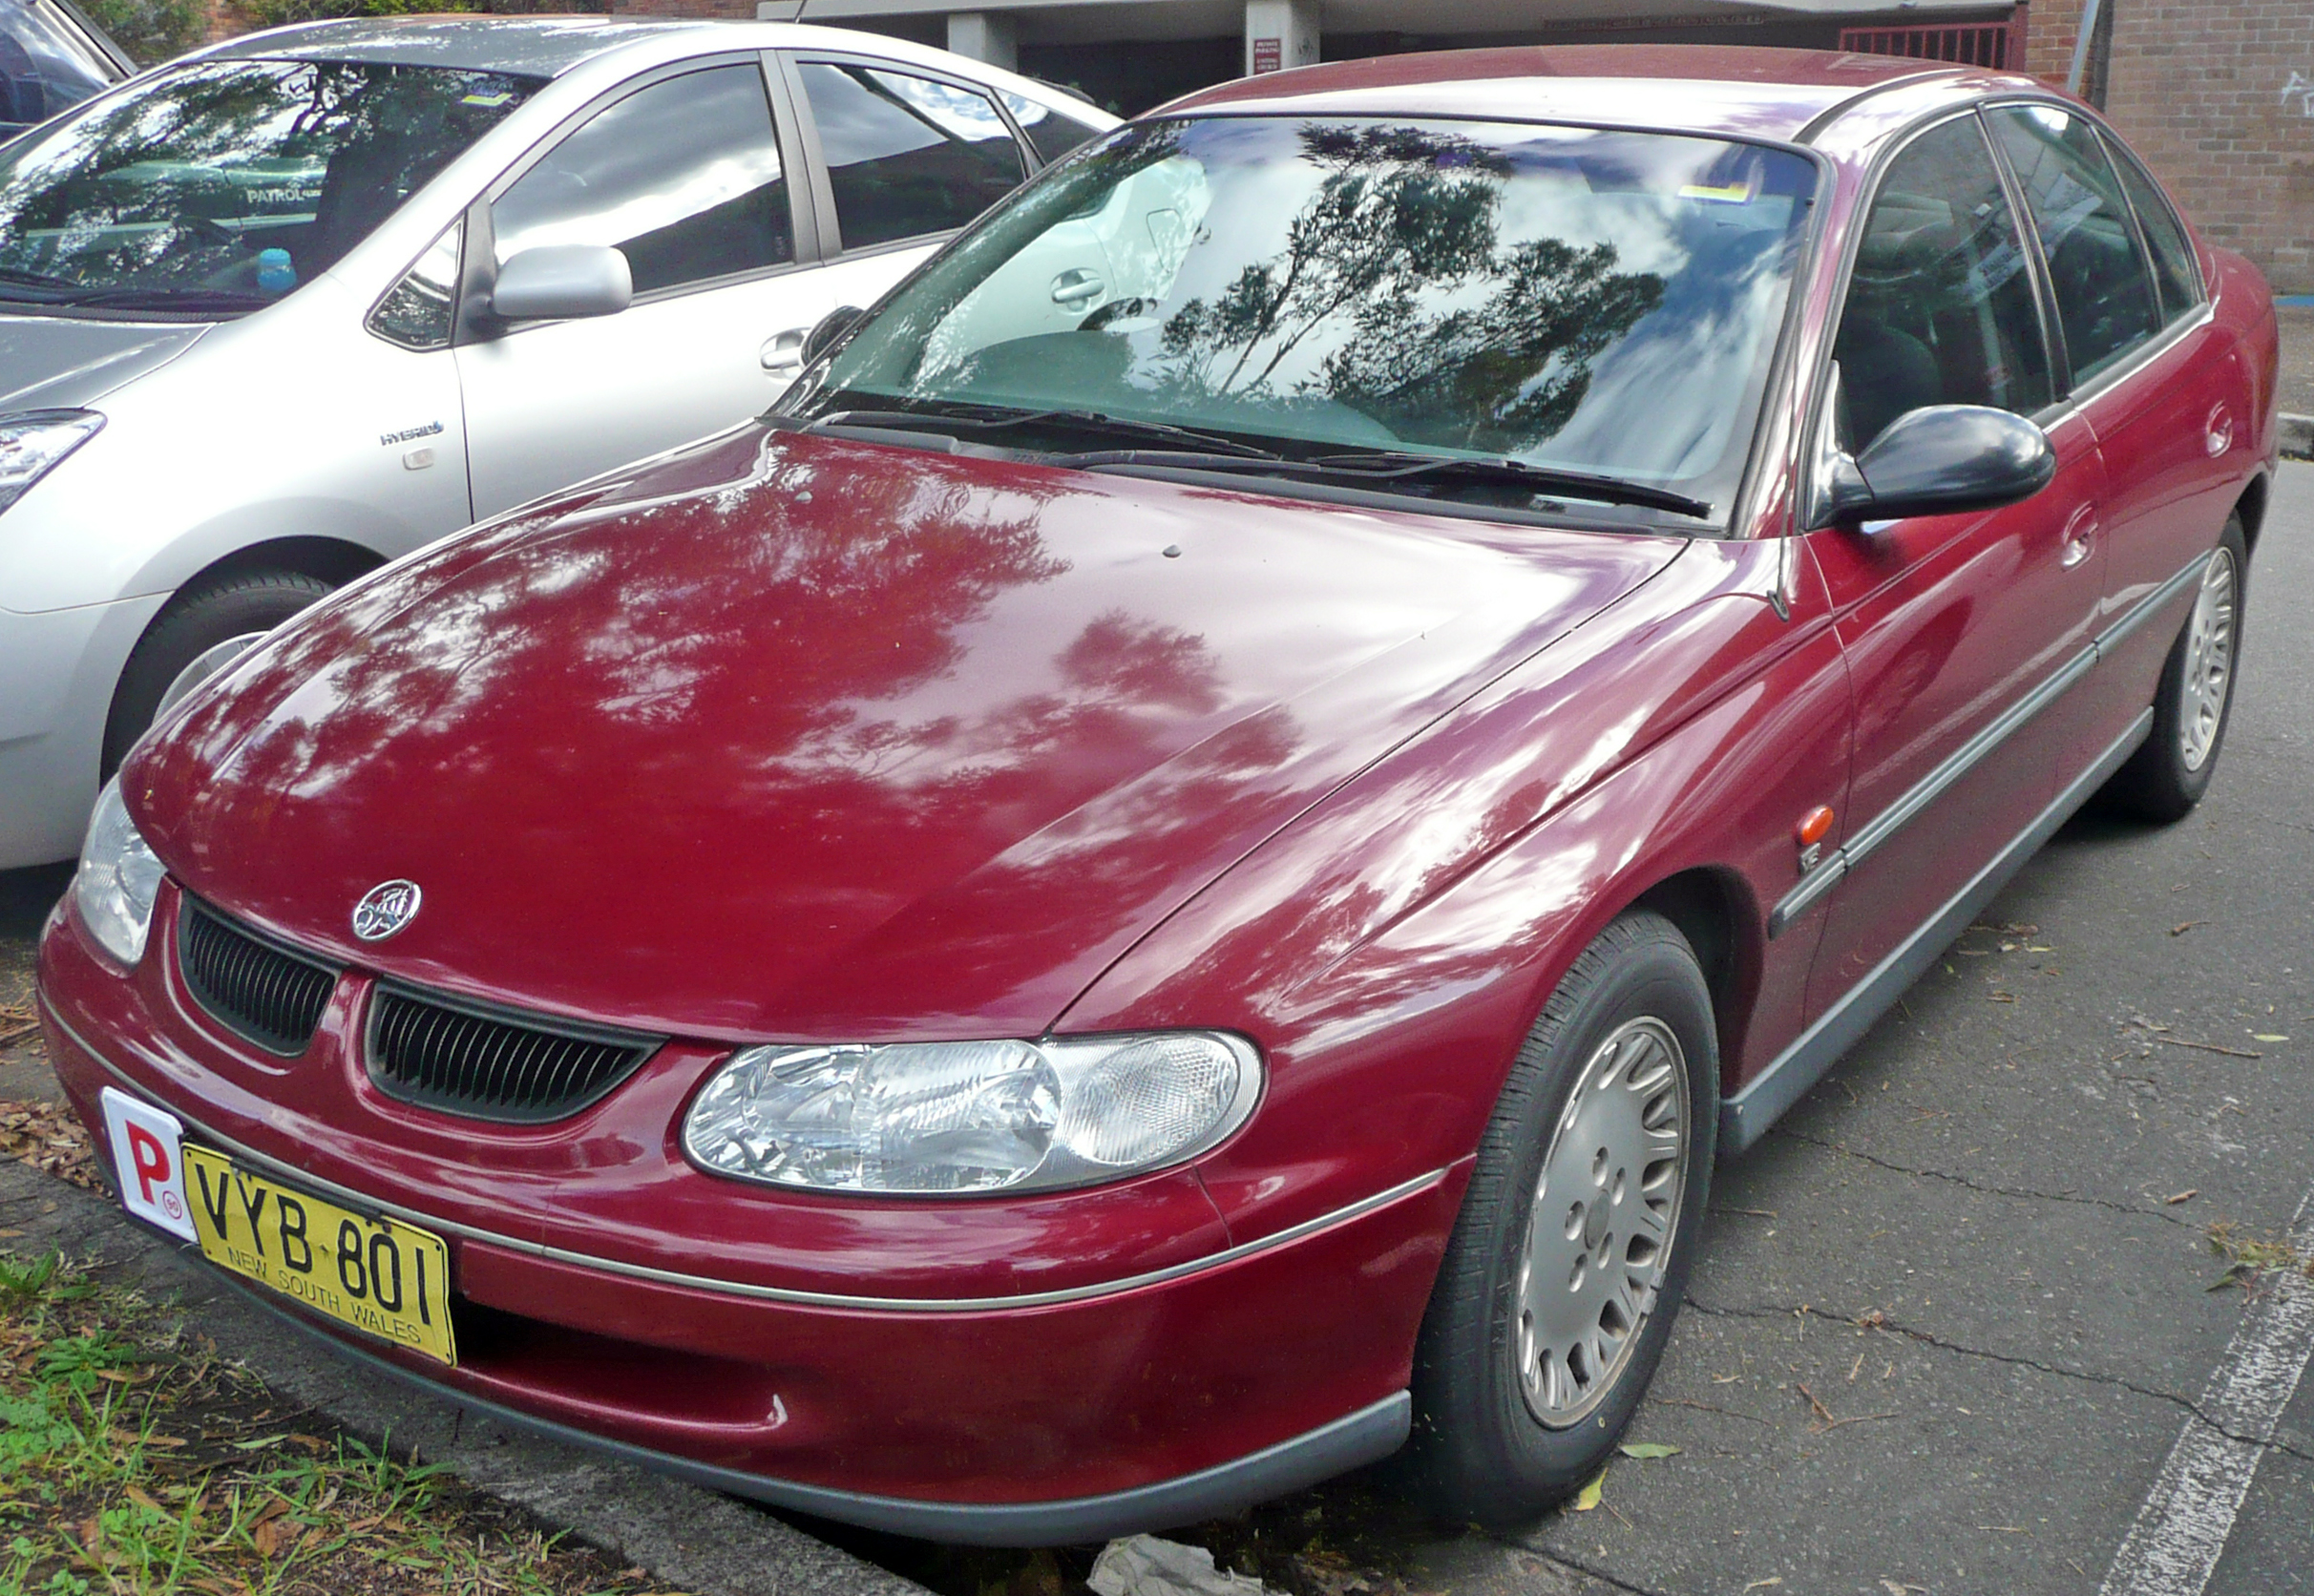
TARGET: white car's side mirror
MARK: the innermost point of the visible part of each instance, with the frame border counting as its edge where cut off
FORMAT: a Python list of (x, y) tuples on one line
[(563, 281)]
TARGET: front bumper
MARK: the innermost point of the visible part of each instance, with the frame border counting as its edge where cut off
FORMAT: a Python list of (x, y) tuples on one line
[(1066, 1415), (59, 667)]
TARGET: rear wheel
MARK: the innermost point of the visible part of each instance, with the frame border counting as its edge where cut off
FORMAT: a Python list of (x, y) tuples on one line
[(199, 633), (1570, 1255), (2164, 779)]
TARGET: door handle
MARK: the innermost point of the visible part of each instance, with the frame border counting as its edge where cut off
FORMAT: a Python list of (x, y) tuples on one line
[(1075, 289), (782, 353), (2080, 537)]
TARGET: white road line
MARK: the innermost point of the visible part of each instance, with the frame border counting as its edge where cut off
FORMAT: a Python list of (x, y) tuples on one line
[(2181, 1530)]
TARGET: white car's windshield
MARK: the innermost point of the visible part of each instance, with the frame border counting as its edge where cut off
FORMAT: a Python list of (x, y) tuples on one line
[(218, 187), (1595, 304)]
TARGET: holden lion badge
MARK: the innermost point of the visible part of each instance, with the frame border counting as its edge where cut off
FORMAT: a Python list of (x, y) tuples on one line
[(385, 909)]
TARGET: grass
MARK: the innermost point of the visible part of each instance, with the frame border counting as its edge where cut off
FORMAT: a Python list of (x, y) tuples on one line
[(134, 1459)]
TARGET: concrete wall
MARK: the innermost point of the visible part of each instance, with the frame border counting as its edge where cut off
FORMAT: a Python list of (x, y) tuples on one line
[(2218, 95)]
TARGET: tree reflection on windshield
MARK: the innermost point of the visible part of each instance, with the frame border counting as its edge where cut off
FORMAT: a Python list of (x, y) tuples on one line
[(1585, 300), (226, 183), (1405, 211)]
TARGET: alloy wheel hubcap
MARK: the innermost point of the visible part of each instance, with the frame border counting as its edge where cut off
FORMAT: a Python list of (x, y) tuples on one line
[(204, 664), (1605, 1212), (2209, 662)]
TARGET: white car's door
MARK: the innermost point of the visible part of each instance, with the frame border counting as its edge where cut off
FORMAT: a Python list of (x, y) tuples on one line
[(686, 175), (899, 159)]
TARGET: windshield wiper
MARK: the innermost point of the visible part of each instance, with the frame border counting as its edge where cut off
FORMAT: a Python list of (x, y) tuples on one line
[(1390, 466), (1087, 421), (13, 276), (190, 301)]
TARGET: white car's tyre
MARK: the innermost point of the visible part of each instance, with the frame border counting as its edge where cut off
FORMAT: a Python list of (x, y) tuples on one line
[(199, 633)]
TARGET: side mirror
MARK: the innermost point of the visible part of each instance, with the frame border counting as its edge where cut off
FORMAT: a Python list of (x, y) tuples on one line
[(563, 281), (1940, 460), (830, 330)]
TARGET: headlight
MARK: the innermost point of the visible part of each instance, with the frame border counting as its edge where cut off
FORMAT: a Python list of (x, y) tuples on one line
[(33, 442), (970, 1116), (117, 880)]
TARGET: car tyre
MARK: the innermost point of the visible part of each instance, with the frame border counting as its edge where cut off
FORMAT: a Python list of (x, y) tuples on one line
[(198, 632), (2166, 777), (1581, 1208)]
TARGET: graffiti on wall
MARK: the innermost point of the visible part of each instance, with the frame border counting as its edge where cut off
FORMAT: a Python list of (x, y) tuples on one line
[(2299, 88)]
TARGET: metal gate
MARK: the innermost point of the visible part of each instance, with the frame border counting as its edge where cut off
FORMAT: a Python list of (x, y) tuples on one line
[(1997, 45)]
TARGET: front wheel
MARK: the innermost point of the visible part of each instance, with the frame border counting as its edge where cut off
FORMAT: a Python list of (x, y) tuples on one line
[(1571, 1252), (199, 633), (2166, 777)]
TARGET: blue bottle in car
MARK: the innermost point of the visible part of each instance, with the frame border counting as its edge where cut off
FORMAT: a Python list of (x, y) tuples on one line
[(275, 275)]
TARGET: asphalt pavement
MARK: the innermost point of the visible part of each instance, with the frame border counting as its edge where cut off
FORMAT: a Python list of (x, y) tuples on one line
[(1959, 1326)]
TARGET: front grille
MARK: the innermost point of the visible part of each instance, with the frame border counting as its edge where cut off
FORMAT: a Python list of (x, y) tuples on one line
[(253, 987), (467, 1059)]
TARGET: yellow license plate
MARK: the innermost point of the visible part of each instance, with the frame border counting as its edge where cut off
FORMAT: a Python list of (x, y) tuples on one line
[(380, 1275)]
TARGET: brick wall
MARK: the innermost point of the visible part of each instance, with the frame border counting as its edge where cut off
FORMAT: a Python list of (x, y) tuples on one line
[(2218, 95)]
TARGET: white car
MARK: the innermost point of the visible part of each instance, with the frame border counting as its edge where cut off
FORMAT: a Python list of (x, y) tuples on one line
[(301, 302)]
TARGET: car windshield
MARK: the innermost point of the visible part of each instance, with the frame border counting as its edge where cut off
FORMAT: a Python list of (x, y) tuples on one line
[(216, 188), (1596, 303)]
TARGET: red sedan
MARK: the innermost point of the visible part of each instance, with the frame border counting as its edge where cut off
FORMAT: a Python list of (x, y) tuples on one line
[(1170, 880)]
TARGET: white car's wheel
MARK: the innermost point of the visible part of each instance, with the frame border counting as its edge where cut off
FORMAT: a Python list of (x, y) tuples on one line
[(199, 633)]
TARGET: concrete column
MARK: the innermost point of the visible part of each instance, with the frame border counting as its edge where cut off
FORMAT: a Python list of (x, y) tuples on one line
[(1279, 34), (988, 36)]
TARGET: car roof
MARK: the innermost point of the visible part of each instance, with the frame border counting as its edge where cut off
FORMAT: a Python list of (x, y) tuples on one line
[(1755, 90), (534, 46), (541, 46)]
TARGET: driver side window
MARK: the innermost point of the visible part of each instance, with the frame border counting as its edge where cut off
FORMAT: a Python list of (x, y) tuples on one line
[(683, 178), (1941, 307)]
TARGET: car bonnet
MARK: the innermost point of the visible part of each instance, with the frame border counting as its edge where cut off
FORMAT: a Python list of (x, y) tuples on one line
[(60, 363), (797, 737)]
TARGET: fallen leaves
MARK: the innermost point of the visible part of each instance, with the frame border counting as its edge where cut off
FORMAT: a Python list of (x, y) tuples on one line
[(17, 1020), (49, 1138), (1647, 1450), (2247, 1257), (1592, 1494), (2186, 1196)]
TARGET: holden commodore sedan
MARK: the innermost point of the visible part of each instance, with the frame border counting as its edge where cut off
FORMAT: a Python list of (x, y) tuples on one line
[(1170, 879), (277, 312)]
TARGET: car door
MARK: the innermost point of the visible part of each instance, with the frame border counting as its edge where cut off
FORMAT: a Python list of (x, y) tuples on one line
[(405, 385), (900, 157), (1962, 632), (2147, 371), (687, 175)]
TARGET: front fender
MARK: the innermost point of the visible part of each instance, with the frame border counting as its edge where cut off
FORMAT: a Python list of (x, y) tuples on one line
[(1393, 949)]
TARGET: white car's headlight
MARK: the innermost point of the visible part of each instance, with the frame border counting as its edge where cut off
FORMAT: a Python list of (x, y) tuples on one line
[(970, 1116), (33, 442), (117, 881)]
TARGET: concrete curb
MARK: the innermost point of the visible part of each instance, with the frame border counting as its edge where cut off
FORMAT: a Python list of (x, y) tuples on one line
[(2298, 436), (690, 1539)]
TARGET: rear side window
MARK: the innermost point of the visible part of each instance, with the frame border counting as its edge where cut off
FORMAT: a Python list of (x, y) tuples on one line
[(907, 155), (1941, 306), (685, 178), (1050, 134), (2104, 288), (2174, 271)]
